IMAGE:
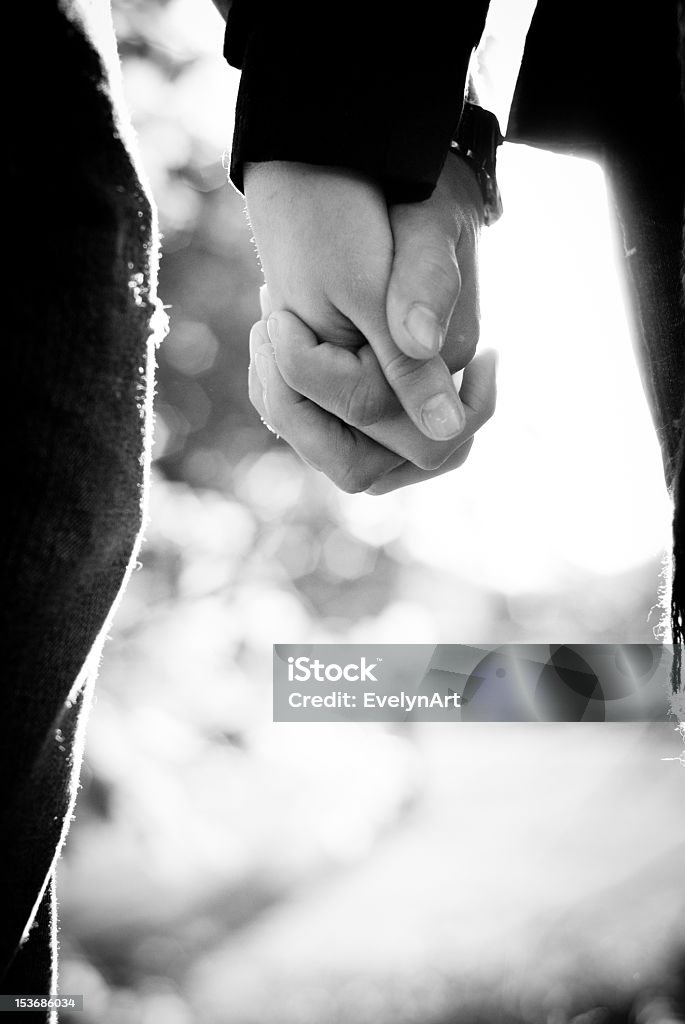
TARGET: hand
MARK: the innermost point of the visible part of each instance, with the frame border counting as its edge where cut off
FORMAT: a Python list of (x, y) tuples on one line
[(331, 376), (432, 266), (333, 254)]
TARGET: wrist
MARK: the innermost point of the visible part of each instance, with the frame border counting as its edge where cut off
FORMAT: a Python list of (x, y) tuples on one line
[(476, 141), (458, 200), (296, 171)]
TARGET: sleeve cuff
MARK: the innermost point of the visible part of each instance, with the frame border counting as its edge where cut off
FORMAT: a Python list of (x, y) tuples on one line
[(381, 98)]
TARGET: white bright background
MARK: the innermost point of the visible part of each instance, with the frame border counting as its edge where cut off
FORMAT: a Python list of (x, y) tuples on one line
[(568, 474)]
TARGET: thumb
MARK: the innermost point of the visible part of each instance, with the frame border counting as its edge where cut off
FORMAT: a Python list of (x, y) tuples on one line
[(424, 282)]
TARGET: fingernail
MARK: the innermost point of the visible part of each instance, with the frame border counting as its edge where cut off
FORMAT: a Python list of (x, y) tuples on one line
[(425, 329), (272, 328), (261, 366), (442, 416)]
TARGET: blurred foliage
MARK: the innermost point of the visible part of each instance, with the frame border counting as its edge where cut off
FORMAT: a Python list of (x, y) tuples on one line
[(183, 98)]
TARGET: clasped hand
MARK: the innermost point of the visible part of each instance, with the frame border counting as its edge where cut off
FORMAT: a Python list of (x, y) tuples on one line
[(369, 310)]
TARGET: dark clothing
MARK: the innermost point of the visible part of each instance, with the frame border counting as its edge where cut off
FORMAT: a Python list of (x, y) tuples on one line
[(383, 94), (79, 309), (367, 86)]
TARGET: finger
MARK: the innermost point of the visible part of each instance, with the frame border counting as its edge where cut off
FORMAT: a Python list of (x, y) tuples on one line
[(352, 461), (351, 386), (479, 393), (347, 383), (463, 331), (406, 475), (257, 379), (264, 302), (479, 389), (425, 280), (423, 388)]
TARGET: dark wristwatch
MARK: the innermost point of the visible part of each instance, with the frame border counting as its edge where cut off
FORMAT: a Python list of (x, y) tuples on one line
[(476, 141)]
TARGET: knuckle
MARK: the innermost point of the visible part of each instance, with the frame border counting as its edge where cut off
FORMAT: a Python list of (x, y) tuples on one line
[(362, 406), (361, 468), (463, 342), (469, 335), (355, 294), (352, 479), (403, 371)]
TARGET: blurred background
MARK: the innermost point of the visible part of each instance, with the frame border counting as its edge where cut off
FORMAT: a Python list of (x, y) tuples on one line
[(223, 868)]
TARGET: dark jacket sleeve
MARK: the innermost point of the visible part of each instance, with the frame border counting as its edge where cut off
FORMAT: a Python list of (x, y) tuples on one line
[(371, 86)]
